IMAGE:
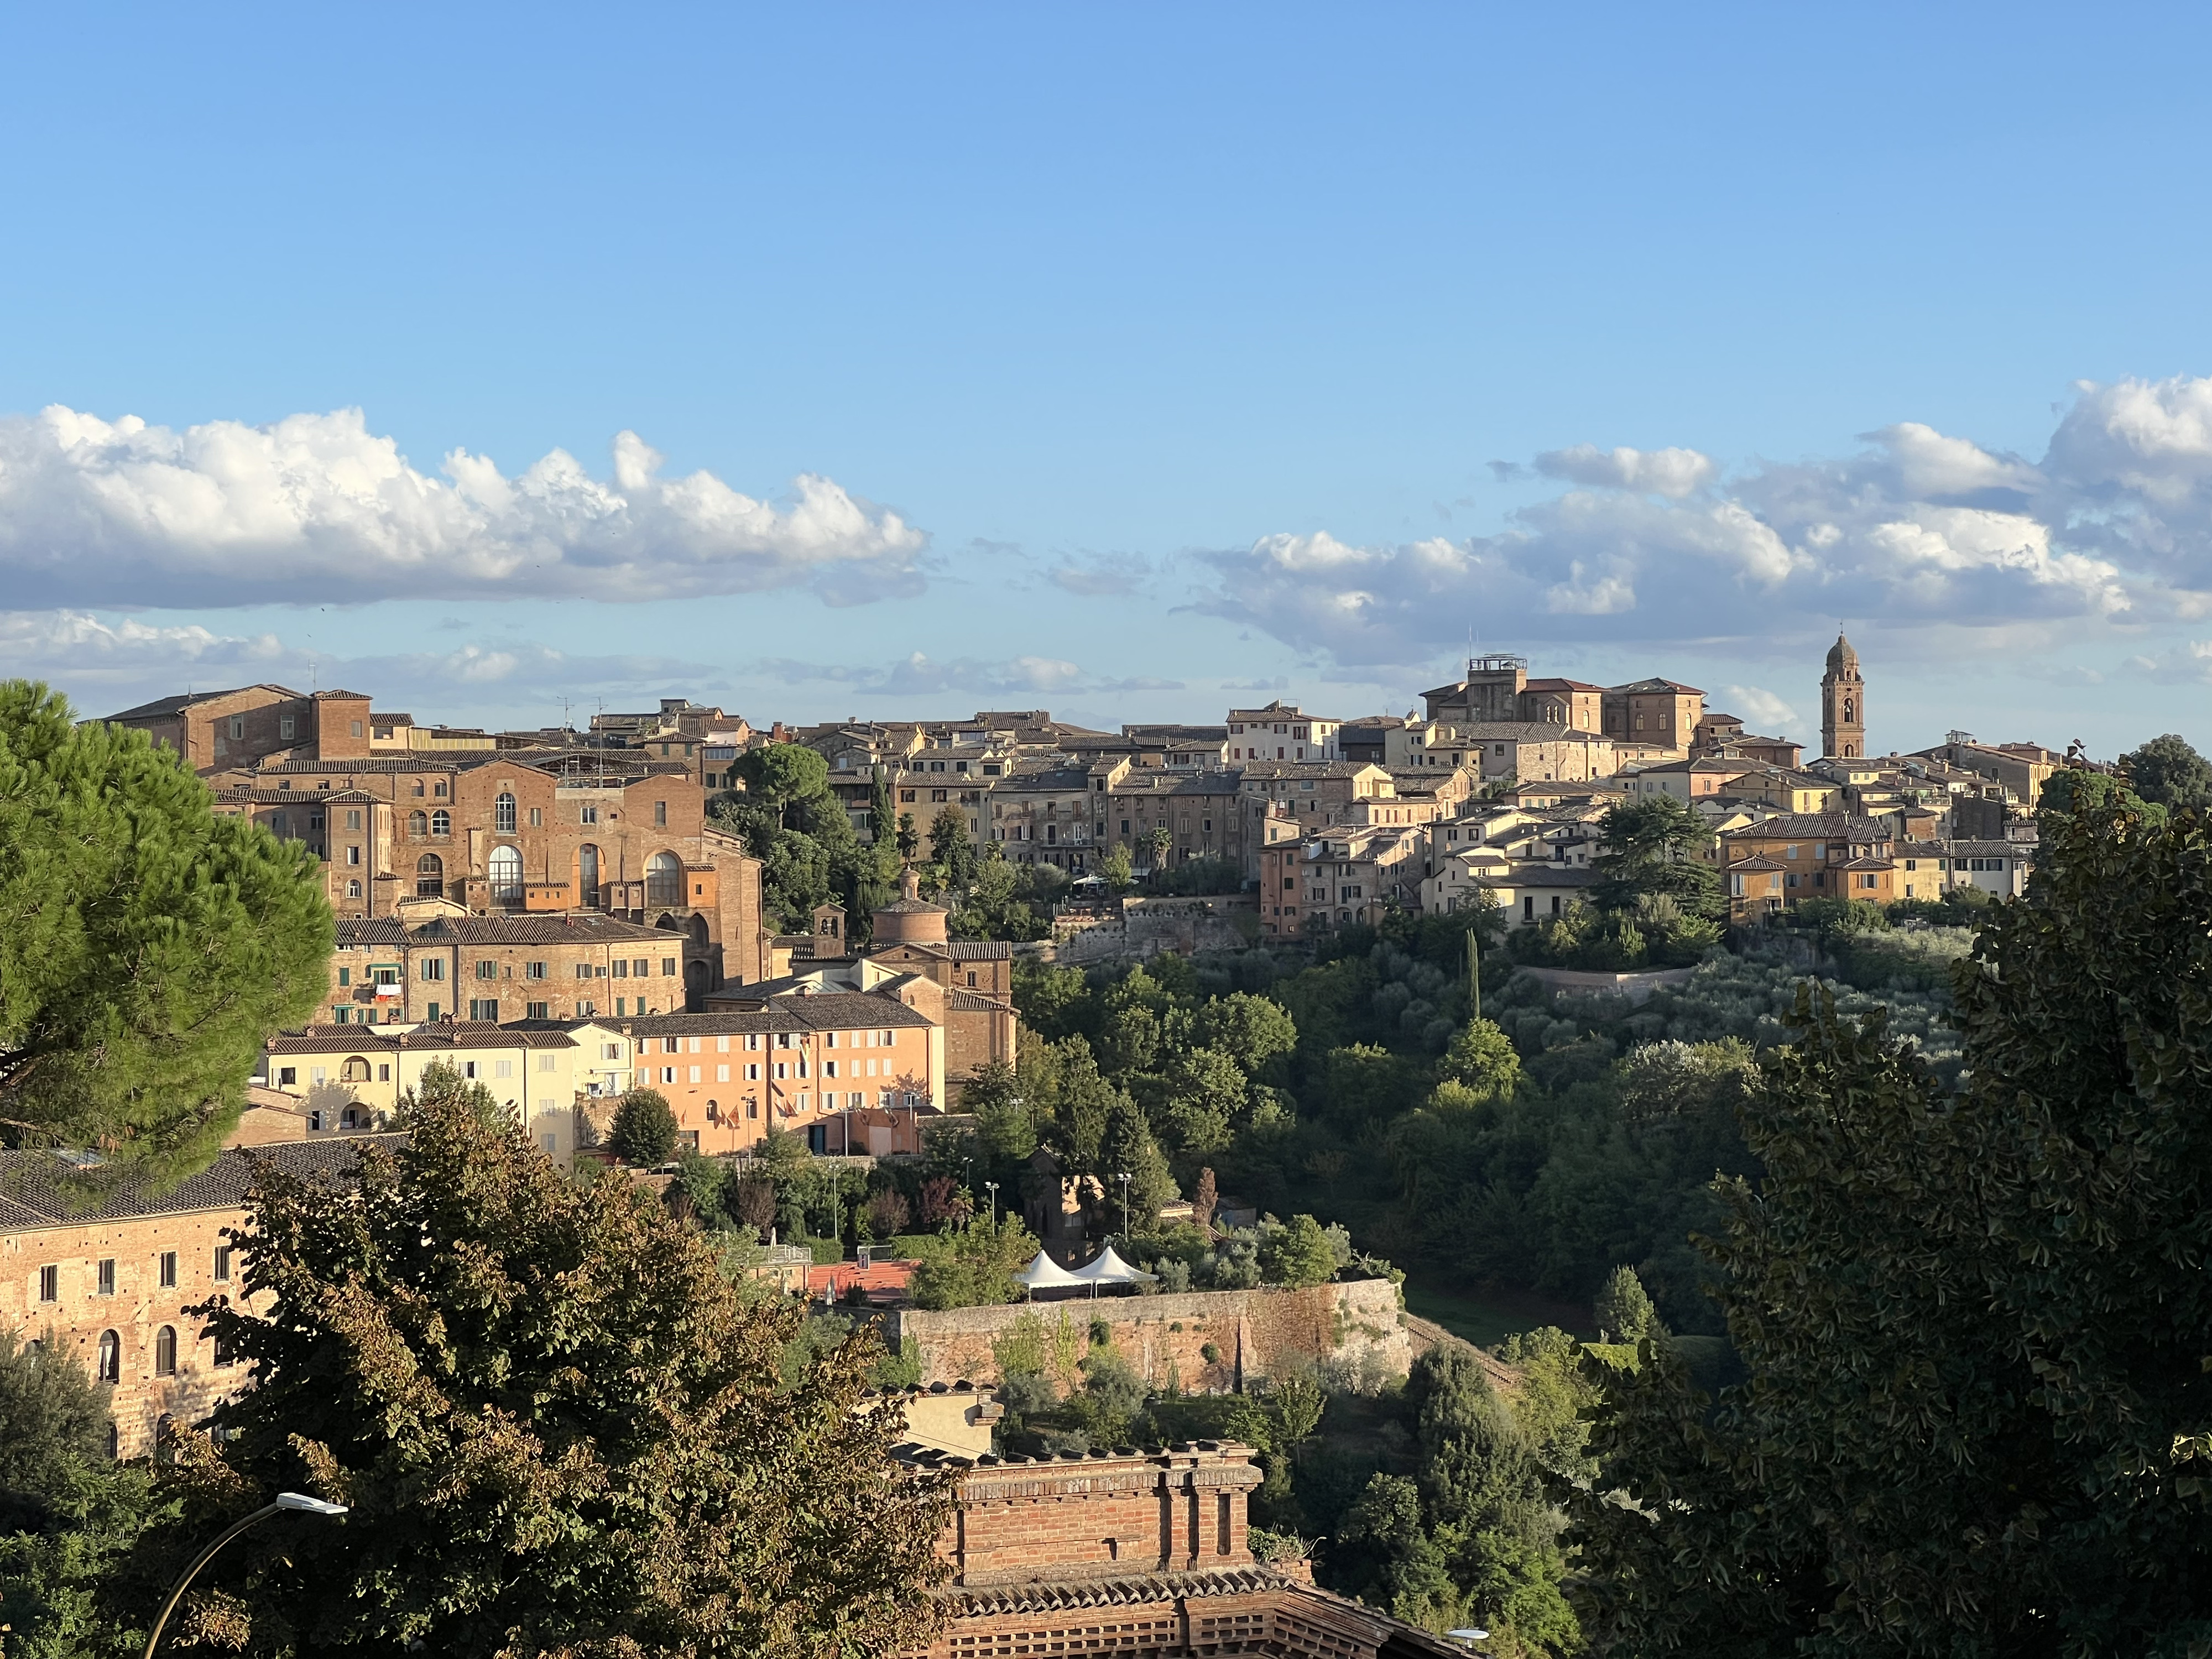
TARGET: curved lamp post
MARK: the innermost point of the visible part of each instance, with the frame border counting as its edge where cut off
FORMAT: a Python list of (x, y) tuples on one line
[(285, 1500)]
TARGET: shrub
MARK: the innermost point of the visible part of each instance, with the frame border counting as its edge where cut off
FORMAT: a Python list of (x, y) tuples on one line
[(644, 1132)]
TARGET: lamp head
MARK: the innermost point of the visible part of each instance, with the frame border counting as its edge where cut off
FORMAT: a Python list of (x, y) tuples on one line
[(299, 1500)]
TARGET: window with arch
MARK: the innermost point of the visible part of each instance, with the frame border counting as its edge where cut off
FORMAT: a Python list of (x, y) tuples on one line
[(1847, 708), (110, 1359), (356, 1070), (441, 823), (588, 875), (664, 879), (353, 889), (506, 868), (502, 814), (429, 877), (418, 824), (165, 1352)]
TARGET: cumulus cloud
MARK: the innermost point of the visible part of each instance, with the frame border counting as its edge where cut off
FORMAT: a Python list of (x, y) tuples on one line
[(920, 675), (1760, 710), (318, 506), (1672, 473), (1919, 530)]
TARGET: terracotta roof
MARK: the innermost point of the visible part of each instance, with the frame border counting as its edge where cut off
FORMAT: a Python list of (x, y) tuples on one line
[(35, 1190), (445, 1034), (569, 927), (823, 1011), (1833, 826), (246, 792), (1757, 863), (162, 706)]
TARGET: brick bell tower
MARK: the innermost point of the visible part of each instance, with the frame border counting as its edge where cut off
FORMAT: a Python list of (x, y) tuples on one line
[(1843, 704)]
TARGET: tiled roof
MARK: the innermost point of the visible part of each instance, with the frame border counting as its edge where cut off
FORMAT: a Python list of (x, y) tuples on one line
[(971, 1002), (822, 1011), (446, 1034), (570, 927), (990, 950), (1136, 1589), (414, 760), (1835, 826), (342, 696), (1560, 685), (1544, 874), (162, 706), (34, 1192), (1660, 685), (246, 792)]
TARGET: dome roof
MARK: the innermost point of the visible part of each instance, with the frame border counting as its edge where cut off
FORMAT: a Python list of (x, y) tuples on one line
[(1841, 656)]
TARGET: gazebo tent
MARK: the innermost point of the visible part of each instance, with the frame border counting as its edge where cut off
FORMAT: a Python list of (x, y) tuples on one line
[(1106, 1268), (1044, 1274)]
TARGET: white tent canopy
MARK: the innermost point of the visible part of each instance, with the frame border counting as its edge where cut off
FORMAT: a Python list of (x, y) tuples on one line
[(1106, 1268), (1044, 1274)]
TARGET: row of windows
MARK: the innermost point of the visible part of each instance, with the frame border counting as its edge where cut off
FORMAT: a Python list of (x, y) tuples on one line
[(50, 1275), (108, 1360)]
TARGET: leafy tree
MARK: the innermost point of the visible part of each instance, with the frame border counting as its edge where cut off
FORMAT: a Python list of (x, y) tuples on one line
[(1119, 873), (2011, 1269), (644, 1131), (1005, 1121), (147, 945), (1481, 1058), (443, 1084), (1622, 1311), (1299, 1255), (1251, 1030), (975, 1266), (783, 775), (950, 849), (2075, 791), (2169, 773), (1384, 1555), (1205, 1093), (68, 1517), (1366, 1084), (1649, 847), (559, 1429)]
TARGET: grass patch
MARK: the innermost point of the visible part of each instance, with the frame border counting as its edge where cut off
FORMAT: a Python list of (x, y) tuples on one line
[(1486, 1318)]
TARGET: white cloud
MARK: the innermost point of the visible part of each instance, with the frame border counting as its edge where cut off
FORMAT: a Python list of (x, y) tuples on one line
[(318, 506), (1919, 530), (1671, 473), (919, 676), (1761, 711)]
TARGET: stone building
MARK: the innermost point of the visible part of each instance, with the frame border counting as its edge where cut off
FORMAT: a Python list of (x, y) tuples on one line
[(106, 1276), (212, 729), (1281, 732), (1843, 704), (1137, 1553), (439, 962)]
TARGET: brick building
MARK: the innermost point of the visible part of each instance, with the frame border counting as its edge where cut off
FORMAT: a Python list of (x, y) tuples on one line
[(441, 964), (110, 1274), (1821, 855), (237, 727), (1143, 1554)]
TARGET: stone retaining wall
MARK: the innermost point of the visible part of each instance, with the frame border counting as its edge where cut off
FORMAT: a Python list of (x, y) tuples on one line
[(1255, 1334)]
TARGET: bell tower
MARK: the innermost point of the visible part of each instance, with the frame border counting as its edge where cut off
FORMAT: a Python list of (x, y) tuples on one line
[(1843, 704)]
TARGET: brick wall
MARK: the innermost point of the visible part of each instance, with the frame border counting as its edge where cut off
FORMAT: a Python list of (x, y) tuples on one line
[(137, 1311), (1178, 1510), (1256, 1333)]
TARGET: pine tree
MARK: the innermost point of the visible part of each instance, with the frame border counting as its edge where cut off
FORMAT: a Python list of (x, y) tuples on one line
[(1624, 1310), (147, 945)]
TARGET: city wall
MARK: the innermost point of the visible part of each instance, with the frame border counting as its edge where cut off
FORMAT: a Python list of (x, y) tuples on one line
[(1255, 1334)]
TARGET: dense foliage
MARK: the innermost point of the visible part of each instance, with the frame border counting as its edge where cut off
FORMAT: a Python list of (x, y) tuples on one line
[(147, 945), (558, 1424), (1976, 1413), (643, 1133)]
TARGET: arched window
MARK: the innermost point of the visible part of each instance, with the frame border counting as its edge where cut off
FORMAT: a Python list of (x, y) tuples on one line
[(506, 866), (441, 823), (418, 823), (664, 879), (165, 1352), (165, 1446), (502, 815), (110, 1357), (1847, 709), (356, 1070), (353, 889), (588, 875), (429, 877)]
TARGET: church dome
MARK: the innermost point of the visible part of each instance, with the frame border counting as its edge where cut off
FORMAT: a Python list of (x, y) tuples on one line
[(912, 919), (1841, 658)]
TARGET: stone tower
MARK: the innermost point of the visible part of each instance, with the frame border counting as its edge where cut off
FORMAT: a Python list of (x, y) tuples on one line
[(1843, 704)]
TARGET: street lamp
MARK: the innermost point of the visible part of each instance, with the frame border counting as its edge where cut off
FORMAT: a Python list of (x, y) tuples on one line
[(1124, 1180), (285, 1500), (992, 1187)]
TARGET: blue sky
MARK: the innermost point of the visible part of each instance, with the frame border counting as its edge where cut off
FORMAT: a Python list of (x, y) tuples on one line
[(1139, 356)]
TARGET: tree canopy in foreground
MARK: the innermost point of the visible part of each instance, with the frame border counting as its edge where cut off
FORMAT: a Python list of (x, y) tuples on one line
[(147, 946), (1977, 1418), (560, 1428)]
